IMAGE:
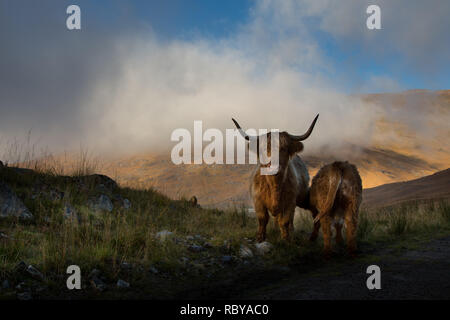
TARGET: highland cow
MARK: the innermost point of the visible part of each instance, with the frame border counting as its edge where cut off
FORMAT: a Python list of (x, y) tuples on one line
[(335, 197), (280, 193)]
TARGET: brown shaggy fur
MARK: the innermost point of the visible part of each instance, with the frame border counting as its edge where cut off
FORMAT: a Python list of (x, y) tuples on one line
[(335, 196), (280, 193)]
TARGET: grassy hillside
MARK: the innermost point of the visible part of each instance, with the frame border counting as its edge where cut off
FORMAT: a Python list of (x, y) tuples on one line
[(204, 248), (435, 186)]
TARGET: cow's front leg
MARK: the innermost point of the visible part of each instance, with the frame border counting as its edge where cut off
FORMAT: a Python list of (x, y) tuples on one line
[(263, 218), (286, 223)]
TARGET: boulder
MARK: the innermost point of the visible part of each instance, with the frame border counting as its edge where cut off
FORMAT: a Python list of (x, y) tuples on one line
[(11, 205), (263, 247), (99, 181), (245, 252), (101, 203), (122, 284)]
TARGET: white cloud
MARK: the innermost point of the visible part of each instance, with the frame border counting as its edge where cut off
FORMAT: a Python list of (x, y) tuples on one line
[(267, 75)]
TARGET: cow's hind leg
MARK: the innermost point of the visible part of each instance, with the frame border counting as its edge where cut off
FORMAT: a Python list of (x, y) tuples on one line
[(291, 224), (326, 231), (263, 219), (351, 221), (316, 229), (338, 226)]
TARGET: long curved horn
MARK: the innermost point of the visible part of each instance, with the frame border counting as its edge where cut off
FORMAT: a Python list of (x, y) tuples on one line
[(307, 134), (242, 132)]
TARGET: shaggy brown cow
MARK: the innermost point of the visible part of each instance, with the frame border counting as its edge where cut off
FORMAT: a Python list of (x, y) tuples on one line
[(282, 192), (335, 195)]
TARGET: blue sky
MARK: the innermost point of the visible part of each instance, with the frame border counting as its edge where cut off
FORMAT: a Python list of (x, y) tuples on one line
[(351, 59), (139, 69), (188, 19)]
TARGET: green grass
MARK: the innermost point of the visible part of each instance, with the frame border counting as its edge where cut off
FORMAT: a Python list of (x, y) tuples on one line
[(104, 240)]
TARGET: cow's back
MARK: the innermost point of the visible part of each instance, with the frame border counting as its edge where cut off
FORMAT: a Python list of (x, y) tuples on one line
[(302, 176)]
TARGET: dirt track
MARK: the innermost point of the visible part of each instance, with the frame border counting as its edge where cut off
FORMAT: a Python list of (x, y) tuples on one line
[(409, 274)]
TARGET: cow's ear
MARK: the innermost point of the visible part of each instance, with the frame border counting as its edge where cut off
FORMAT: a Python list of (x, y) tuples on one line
[(295, 147)]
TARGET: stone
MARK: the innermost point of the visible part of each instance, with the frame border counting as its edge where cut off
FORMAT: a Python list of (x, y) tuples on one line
[(55, 195), (11, 205), (101, 203), (96, 180), (153, 270), (207, 245), (198, 237), (184, 260), (21, 286), (226, 259), (98, 284), (227, 246), (35, 273), (198, 266), (5, 284), (25, 296), (122, 284), (126, 266), (196, 248), (245, 252), (21, 266), (70, 213), (126, 204), (284, 269), (164, 235), (94, 273), (263, 247)]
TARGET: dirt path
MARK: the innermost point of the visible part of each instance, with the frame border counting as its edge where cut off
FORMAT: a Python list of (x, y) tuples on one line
[(409, 274)]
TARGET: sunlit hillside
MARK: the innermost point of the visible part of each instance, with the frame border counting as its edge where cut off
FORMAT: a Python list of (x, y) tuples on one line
[(410, 141)]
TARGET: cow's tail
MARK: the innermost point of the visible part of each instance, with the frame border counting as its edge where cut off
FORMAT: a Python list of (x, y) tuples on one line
[(331, 195)]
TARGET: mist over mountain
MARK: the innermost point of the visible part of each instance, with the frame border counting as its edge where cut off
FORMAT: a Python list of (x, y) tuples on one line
[(409, 140)]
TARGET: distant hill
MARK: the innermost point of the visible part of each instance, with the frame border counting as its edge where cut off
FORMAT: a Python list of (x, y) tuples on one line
[(410, 140), (435, 186)]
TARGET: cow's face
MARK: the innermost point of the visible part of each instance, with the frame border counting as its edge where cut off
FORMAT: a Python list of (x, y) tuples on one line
[(287, 145)]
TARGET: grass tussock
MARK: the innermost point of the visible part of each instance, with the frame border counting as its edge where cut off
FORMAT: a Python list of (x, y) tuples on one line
[(104, 240)]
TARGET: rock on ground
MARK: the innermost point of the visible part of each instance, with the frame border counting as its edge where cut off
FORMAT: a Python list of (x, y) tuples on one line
[(70, 213), (25, 296), (163, 235), (196, 248), (245, 252), (101, 203), (126, 204), (98, 284), (35, 273), (11, 205), (5, 284), (122, 284), (263, 247)]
